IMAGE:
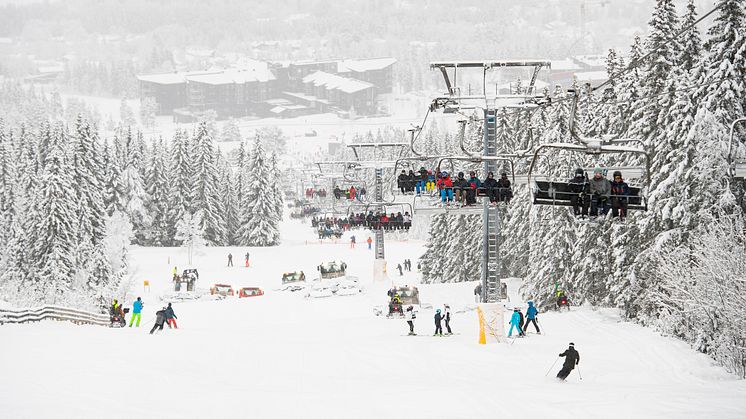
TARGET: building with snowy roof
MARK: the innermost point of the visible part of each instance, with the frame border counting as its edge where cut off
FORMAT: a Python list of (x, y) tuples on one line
[(255, 87)]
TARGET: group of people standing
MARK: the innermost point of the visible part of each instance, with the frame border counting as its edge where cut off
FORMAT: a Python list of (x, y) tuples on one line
[(163, 316), (441, 317), (407, 267)]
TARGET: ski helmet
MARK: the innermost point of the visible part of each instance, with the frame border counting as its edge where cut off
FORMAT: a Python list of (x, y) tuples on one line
[(598, 171), (617, 173), (578, 172), (444, 174), (410, 308), (460, 174), (437, 311)]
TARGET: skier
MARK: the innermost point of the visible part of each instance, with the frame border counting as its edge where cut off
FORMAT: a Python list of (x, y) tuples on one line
[(410, 316), (521, 322), (445, 186), (515, 321), (247, 259), (370, 242), (531, 316), (170, 316), (461, 187), (136, 310), (619, 193), (572, 358), (448, 319), (579, 187), (352, 242), (160, 318), (600, 189), (230, 259), (419, 266), (438, 327), (503, 185), (478, 293), (490, 186), (401, 182), (398, 266), (474, 184)]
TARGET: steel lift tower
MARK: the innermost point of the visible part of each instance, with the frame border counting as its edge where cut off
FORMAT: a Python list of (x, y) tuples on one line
[(517, 98), (378, 164)]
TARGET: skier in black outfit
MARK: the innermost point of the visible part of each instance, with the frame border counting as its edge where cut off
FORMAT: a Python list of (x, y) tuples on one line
[(438, 327), (448, 319), (160, 318), (572, 358), (579, 187)]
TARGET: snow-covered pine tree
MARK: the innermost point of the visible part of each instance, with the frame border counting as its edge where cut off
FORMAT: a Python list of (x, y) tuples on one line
[(725, 91), (88, 181), (205, 192), (157, 187), (258, 223), (134, 197), (230, 132), (277, 192), (180, 199), (53, 230), (190, 233)]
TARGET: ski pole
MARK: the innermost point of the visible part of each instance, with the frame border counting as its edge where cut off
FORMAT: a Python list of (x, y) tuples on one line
[(540, 326), (579, 374), (550, 368)]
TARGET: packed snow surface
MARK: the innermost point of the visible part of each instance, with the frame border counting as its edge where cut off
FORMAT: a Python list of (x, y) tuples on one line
[(284, 356)]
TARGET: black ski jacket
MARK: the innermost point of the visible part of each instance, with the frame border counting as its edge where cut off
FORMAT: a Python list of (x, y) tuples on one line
[(572, 358), (438, 318), (169, 313)]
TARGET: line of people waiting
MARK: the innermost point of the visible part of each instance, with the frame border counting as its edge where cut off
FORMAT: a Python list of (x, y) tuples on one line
[(460, 190)]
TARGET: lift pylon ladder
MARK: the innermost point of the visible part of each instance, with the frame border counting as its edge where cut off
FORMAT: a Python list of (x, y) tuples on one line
[(378, 164), (454, 102)]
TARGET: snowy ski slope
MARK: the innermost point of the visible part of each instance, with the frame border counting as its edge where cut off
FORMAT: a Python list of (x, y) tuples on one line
[(284, 356)]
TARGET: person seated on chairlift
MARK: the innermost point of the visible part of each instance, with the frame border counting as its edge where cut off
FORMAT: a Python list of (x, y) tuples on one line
[(421, 181), (505, 192), (600, 189), (411, 180), (337, 192), (491, 185), (401, 182), (430, 184), (619, 193), (579, 188), (460, 187), (474, 184), (445, 186)]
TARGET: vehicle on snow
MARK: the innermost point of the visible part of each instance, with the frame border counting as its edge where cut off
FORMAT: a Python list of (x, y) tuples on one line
[(187, 279), (293, 277), (332, 270), (222, 289), (116, 317), (247, 292)]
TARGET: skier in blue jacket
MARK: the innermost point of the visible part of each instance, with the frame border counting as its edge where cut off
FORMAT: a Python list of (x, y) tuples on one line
[(531, 316), (515, 322)]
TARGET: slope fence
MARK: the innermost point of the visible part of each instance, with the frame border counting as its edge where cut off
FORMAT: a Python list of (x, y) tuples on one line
[(52, 313)]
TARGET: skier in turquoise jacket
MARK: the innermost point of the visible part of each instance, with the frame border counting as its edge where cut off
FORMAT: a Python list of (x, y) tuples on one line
[(515, 322)]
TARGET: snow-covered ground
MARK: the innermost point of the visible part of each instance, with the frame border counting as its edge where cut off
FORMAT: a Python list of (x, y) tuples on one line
[(284, 356)]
